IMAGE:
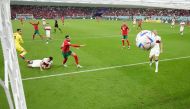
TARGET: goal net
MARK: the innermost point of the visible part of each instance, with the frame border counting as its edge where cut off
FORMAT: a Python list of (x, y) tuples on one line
[(11, 66), (24, 16)]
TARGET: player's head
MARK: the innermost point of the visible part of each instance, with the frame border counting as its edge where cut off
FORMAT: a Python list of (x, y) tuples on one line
[(50, 58), (67, 37), (155, 32), (19, 31)]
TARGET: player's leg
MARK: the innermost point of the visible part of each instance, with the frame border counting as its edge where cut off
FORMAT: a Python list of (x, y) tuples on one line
[(141, 27), (128, 43), (123, 40), (157, 52), (30, 62), (22, 51), (55, 29), (151, 56), (35, 32), (76, 59), (60, 29), (65, 56), (181, 30)]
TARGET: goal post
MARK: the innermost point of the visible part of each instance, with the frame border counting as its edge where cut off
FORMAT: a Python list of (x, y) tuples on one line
[(11, 67)]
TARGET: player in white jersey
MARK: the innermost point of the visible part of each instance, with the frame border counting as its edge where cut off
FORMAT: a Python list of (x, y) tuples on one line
[(182, 24), (134, 22), (45, 63), (173, 23), (43, 22), (156, 50), (48, 32)]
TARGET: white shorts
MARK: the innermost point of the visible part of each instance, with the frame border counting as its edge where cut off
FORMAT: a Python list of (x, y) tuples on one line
[(181, 29), (35, 63), (48, 34), (173, 24), (134, 23), (44, 23), (154, 52)]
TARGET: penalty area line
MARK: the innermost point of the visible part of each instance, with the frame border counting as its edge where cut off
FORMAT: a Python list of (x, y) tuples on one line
[(99, 69)]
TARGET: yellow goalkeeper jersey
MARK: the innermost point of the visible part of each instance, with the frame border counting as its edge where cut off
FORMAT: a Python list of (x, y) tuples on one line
[(18, 38)]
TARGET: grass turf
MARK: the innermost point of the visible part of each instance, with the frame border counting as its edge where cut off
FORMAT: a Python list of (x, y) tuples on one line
[(134, 87)]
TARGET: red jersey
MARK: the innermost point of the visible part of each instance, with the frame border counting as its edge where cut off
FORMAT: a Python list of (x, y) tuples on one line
[(66, 46), (35, 25), (124, 29), (62, 18)]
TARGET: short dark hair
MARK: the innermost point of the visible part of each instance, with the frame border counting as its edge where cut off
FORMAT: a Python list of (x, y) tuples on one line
[(18, 29), (66, 36), (51, 58)]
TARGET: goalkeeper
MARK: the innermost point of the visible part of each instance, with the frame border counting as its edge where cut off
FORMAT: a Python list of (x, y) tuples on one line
[(18, 42)]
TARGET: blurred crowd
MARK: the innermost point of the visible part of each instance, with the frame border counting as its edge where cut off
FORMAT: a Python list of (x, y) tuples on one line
[(50, 12)]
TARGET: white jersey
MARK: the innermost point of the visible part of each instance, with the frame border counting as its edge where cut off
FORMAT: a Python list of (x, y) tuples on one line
[(38, 63), (156, 49), (182, 24), (173, 22), (35, 63), (48, 31), (134, 21), (43, 21)]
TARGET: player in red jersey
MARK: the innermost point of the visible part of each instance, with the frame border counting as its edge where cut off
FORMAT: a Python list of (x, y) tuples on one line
[(62, 19), (36, 30), (21, 20), (125, 31), (139, 24), (65, 47)]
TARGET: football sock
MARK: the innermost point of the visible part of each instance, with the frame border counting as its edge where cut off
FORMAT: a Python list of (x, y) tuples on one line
[(22, 56), (33, 36), (76, 59), (123, 43), (128, 42), (156, 63), (65, 60)]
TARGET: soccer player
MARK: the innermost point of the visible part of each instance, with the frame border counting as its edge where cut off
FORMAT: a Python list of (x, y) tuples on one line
[(21, 20), (48, 32), (173, 23), (182, 24), (66, 52), (125, 31), (43, 22), (45, 63), (36, 30), (18, 42), (62, 19), (56, 26), (134, 22), (139, 24), (156, 50)]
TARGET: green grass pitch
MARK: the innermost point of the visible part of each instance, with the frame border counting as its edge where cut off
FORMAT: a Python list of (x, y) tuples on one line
[(127, 87)]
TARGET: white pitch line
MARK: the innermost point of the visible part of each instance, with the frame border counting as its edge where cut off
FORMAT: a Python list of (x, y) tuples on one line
[(105, 68)]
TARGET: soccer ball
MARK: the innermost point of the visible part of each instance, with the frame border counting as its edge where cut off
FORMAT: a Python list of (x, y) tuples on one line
[(145, 39)]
